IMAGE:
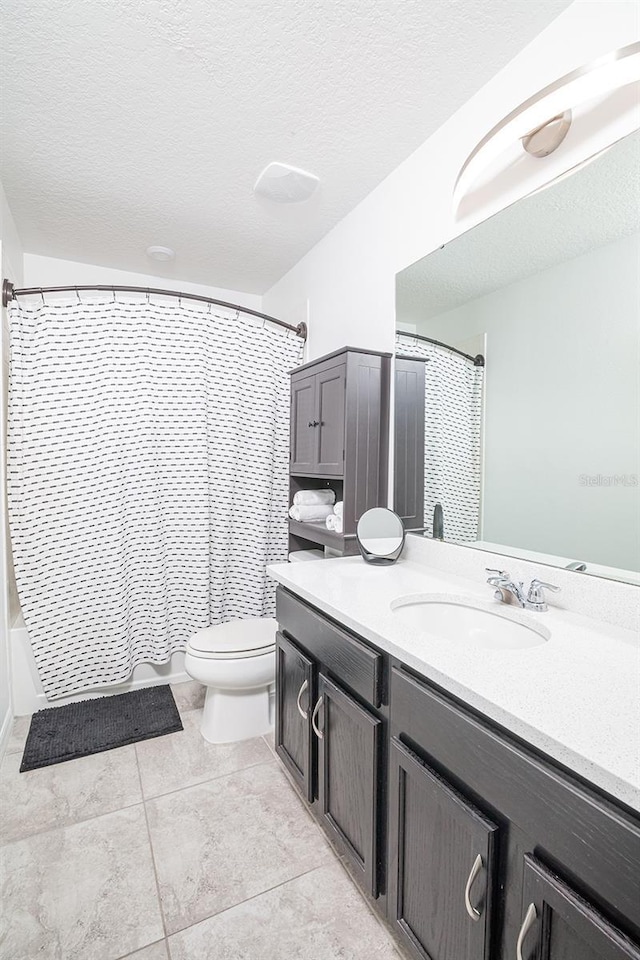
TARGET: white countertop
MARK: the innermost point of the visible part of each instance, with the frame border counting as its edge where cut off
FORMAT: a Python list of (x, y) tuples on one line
[(575, 697)]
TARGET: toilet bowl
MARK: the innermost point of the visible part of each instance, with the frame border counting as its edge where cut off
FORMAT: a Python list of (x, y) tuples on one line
[(236, 661)]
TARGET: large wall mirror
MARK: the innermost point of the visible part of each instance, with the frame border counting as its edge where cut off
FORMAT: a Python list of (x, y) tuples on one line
[(517, 400)]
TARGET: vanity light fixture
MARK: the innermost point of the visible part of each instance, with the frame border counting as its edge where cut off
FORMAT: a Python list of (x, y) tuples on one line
[(283, 183), (542, 122), (161, 254)]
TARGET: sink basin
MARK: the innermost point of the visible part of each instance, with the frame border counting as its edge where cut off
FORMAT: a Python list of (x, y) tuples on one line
[(471, 622)]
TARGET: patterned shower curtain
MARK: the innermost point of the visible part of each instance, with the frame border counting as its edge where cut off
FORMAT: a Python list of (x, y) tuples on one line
[(148, 448), (453, 437)]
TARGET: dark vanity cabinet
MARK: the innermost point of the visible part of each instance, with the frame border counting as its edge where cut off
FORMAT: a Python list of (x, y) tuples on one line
[(444, 852), (295, 697), (559, 924), (329, 734), (470, 843), (540, 866), (339, 439)]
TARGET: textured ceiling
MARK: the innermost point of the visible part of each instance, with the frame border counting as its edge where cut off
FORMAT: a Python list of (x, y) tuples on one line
[(594, 206), (132, 122)]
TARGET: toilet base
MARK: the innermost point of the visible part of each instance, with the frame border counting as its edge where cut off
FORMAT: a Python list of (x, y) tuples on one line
[(231, 715)]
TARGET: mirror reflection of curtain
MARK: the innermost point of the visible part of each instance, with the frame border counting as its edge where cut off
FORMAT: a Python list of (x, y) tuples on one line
[(453, 437)]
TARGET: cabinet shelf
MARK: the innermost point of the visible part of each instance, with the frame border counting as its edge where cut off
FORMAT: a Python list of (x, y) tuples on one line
[(319, 533)]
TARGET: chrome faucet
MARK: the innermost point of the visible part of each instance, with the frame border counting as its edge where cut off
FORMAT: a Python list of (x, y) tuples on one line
[(531, 599)]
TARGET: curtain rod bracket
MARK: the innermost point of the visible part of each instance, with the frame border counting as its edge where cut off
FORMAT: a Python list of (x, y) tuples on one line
[(302, 330), (7, 292)]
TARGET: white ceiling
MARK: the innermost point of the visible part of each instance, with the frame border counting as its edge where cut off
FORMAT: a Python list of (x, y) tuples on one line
[(596, 205), (134, 122)]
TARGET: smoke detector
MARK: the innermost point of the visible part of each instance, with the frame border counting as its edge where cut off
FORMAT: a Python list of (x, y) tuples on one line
[(283, 183), (163, 254)]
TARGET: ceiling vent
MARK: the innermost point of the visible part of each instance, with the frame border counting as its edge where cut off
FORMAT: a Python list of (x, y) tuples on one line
[(285, 184)]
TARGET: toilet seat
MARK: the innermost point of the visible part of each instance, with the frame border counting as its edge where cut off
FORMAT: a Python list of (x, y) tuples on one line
[(235, 640)]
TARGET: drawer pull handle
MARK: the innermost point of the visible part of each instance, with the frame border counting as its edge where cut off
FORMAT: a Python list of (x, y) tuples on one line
[(475, 870), (319, 734), (303, 713), (529, 920)]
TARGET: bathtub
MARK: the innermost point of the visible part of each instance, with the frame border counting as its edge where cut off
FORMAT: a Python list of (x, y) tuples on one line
[(28, 695)]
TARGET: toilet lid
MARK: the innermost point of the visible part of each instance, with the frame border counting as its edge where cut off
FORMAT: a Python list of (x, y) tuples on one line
[(238, 638)]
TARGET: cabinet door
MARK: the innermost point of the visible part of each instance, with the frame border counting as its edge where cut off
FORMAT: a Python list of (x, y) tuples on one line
[(295, 682), (304, 425), (348, 772), (408, 477), (557, 924), (330, 389), (442, 863)]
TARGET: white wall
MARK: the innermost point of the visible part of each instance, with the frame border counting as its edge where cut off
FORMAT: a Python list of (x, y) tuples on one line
[(51, 272), (562, 400), (11, 266), (348, 278)]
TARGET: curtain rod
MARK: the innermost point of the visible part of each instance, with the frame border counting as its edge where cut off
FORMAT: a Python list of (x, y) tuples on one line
[(478, 361), (10, 293)]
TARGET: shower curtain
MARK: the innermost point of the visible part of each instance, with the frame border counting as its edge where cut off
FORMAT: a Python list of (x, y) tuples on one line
[(148, 448), (453, 437)]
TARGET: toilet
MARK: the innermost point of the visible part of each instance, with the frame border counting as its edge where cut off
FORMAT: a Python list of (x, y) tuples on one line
[(236, 661)]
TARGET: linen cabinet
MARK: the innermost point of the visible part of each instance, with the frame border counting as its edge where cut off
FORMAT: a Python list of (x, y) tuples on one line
[(339, 439)]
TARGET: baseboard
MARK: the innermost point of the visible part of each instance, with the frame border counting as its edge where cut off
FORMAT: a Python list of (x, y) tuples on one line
[(5, 732), (40, 702)]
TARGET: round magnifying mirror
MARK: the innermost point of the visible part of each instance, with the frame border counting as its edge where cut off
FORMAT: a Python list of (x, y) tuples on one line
[(380, 535)]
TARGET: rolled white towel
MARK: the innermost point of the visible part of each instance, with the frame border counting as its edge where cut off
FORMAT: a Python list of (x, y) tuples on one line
[(310, 513), (338, 509), (337, 526), (331, 521), (310, 497)]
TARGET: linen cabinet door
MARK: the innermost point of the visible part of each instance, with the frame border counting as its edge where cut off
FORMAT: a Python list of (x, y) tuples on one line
[(442, 864), (330, 387), (349, 740), (558, 924), (295, 688), (304, 425)]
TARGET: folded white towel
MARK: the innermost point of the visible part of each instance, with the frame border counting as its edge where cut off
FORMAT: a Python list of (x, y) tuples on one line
[(309, 497), (334, 523), (310, 513), (338, 509)]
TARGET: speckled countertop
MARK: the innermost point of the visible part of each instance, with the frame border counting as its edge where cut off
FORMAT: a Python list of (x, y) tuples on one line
[(576, 697)]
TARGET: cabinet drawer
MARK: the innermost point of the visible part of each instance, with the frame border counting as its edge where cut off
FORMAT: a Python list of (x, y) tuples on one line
[(354, 664), (590, 836)]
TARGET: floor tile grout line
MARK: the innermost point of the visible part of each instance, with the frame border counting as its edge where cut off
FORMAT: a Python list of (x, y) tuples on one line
[(72, 823), (369, 906), (256, 896), (201, 783), (153, 857), (127, 956)]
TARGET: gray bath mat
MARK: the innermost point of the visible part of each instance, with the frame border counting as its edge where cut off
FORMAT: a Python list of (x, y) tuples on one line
[(91, 726)]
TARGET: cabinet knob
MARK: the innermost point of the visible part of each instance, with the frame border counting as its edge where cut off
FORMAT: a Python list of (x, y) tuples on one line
[(475, 870), (314, 423), (530, 918)]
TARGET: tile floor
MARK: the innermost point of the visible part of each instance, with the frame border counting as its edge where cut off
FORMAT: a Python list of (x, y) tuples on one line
[(172, 849)]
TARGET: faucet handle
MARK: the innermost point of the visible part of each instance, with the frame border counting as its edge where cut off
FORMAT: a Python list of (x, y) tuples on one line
[(536, 592), (502, 574)]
